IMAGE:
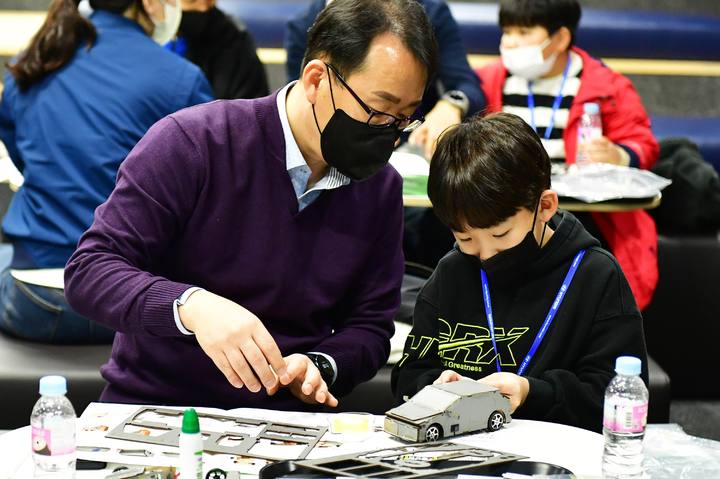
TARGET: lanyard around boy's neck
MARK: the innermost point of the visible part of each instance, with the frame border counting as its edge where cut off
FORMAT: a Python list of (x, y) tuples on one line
[(548, 319), (556, 103)]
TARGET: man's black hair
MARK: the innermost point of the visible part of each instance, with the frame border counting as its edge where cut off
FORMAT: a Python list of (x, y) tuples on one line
[(344, 30), (485, 170), (550, 14)]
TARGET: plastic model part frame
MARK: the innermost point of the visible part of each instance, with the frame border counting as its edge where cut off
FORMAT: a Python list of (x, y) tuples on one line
[(307, 436), (409, 462)]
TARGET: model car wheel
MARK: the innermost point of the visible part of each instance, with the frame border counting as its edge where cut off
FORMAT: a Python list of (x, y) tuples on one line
[(496, 421), (433, 433)]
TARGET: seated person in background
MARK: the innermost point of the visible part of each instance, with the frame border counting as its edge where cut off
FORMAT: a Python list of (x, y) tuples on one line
[(547, 81), (453, 95), (484, 307), (74, 104), (225, 52), (252, 248)]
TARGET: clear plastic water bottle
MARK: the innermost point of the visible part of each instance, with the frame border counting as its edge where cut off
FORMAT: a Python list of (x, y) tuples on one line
[(53, 429), (625, 417), (590, 128)]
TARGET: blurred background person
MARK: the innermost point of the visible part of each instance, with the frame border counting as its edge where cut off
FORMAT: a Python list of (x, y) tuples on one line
[(74, 103), (223, 50)]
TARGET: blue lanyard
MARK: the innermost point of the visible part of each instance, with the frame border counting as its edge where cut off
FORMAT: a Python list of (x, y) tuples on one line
[(556, 103), (548, 319)]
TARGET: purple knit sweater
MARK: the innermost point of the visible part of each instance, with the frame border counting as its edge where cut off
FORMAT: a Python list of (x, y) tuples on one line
[(204, 199)]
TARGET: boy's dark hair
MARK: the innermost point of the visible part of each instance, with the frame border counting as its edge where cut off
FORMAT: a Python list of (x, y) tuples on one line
[(345, 28), (485, 170), (551, 14)]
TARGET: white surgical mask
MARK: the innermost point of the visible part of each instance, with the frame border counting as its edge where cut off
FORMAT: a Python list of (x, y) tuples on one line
[(166, 29), (528, 62)]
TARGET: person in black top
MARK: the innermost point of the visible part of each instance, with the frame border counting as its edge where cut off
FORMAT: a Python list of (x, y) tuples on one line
[(223, 50), (520, 266)]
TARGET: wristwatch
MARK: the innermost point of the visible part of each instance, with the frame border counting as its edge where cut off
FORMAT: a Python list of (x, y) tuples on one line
[(327, 372), (457, 98)]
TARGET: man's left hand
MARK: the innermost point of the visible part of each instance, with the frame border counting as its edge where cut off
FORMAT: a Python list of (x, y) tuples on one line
[(512, 386), (442, 116), (306, 382)]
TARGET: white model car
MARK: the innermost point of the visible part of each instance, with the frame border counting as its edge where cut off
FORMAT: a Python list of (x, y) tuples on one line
[(449, 409)]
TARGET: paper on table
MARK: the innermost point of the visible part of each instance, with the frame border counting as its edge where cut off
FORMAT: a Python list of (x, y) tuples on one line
[(414, 169)]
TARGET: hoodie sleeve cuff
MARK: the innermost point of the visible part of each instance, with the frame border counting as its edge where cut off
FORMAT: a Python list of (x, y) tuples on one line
[(634, 159), (540, 399)]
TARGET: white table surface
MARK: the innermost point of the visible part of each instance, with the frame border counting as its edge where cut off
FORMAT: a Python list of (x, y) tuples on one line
[(575, 449)]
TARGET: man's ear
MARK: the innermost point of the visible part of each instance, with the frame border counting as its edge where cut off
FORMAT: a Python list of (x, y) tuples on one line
[(548, 205), (313, 73)]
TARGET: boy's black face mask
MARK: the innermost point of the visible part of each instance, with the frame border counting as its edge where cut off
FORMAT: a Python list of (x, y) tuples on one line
[(514, 262)]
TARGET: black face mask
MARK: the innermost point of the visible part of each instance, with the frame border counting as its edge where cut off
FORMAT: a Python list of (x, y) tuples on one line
[(194, 24), (354, 148), (512, 263)]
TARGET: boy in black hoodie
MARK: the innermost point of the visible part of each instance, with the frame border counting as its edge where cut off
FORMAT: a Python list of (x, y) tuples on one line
[(559, 306)]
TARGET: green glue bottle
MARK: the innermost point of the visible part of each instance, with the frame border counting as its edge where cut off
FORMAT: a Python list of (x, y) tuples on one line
[(191, 447)]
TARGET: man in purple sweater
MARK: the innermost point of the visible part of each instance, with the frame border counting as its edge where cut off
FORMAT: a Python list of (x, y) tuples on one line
[(252, 248)]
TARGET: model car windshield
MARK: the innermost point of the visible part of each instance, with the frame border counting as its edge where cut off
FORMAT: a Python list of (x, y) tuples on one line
[(434, 398)]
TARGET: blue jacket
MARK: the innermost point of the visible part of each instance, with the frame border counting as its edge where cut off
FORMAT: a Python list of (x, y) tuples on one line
[(454, 72), (69, 132)]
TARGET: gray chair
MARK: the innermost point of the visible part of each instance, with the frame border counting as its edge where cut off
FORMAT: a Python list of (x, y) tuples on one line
[(23, 363)]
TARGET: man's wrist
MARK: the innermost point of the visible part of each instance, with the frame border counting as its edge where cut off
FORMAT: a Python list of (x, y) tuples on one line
[(181, 320), (325, 364)]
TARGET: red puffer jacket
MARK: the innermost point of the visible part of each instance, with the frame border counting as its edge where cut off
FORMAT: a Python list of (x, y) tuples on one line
[(632, 235)]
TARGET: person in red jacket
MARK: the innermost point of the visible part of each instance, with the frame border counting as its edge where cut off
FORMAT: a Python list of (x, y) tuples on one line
[(545, 79)]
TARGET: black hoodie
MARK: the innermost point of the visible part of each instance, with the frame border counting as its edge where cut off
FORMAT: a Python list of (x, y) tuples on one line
[(597, 322), (226, 54)]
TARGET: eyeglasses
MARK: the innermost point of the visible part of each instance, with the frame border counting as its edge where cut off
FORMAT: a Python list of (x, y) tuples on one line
[(379, 119)]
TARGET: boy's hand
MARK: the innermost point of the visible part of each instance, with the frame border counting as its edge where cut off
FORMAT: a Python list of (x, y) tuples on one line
[(602, 150), (449, 376), (512, 386), (306, 382)]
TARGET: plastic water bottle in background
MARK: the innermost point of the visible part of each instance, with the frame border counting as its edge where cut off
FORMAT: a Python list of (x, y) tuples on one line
[(590, 128), (625, 417), (53, 429)]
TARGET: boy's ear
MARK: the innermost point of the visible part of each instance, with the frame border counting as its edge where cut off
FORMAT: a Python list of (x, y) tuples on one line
[(548, 205), (564, 38)]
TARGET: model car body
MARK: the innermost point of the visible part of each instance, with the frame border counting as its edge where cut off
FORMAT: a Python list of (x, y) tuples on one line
[(441, 410)]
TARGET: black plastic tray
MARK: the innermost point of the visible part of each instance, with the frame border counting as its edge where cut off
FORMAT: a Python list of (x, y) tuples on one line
[(290, 470)]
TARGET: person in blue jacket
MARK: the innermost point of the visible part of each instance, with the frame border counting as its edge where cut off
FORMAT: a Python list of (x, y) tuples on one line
[(74, 104), (456, 94)]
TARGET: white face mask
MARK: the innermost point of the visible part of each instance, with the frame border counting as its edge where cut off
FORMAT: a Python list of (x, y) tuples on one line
[(166, 29), (528, 62)]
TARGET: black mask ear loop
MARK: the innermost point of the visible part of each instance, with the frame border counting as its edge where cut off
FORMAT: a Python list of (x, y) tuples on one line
[(542, 236), (332, 97)]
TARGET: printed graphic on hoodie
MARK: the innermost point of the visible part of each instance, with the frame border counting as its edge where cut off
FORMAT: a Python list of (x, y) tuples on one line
[(469, 347)]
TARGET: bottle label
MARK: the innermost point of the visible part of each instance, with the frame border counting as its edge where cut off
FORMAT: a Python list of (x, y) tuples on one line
[(625, 416), (56, 439)]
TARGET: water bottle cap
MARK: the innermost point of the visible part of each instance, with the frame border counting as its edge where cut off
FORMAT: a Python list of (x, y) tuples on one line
[(628, 365), (591, 108), (53, 385)]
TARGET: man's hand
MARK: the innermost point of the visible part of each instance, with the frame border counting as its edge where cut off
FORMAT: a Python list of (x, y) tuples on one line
[(235, 340), (449, 376), (305, 383), (602, 150), (442, 116), (512, 386)]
